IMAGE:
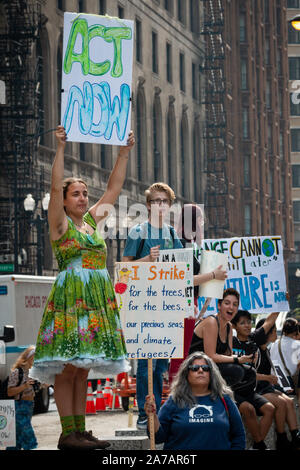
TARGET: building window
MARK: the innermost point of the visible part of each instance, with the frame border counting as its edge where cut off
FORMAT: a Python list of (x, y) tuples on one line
[(169, 5), (294, 107), (244, 78), (247, 171), (281, 146), (273, 224), (169, 62), (181, 71), (296, 211), (245, 123), (60, 5), (247, 219), (295, 140), (82, 155), (181, 11), (171, 147), (157, 128), (268, 94), (81, 6), (102, 7), (120, 12), (243, 32), (154, 53), (138, 41), (282, 187), (296, 176), (267, 51), (194, 16), (293, 3), (184, 155), (194, 81), (294, 68)]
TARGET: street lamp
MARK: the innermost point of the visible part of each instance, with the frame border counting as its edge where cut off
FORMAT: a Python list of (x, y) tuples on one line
[(29, 206), (295, 22)]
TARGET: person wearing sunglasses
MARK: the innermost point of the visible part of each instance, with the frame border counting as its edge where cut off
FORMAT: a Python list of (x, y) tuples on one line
[(200, 413), (143, 244)]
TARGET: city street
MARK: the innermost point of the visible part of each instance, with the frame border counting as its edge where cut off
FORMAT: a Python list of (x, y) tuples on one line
[(104, 424)]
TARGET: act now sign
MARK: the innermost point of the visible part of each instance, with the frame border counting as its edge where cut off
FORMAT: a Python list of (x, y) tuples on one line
[(96, 78), (256, 270)]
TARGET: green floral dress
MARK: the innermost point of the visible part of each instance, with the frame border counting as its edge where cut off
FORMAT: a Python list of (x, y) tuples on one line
[(81, 323)]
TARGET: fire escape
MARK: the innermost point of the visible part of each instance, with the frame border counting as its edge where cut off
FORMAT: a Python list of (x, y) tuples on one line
[(216, 196), (19, 128)]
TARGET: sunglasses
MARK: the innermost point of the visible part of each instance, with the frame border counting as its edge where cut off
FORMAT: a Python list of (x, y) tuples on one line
[(196, 367)]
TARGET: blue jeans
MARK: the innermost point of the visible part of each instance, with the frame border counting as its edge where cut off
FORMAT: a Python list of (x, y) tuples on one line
[(159, 367)]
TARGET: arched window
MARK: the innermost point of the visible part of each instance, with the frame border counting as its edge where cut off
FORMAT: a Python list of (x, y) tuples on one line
[(171, 147), (141, 134), (184, 156), (157, 139)]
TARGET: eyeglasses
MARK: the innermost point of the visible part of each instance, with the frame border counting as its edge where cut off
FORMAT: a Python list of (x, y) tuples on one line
[(160, 201), (196, 367)]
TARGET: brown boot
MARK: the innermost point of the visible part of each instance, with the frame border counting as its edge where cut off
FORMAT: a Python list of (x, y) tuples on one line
[(74, 442), (88, 435)]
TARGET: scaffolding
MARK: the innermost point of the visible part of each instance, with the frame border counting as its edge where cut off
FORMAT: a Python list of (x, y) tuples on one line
[(19, 128), (215, 129)]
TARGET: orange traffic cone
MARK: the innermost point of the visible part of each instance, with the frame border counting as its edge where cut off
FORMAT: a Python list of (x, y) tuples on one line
[(100, 402), (107, 392), (90, 405)]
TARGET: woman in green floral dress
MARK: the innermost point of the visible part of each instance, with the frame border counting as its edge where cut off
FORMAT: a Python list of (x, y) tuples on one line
[(81, 327)]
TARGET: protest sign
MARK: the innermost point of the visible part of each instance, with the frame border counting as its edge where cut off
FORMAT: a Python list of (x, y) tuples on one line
[(256, 270), (282, 378), (184, 255), (152, 304), (7, 423), (211, 260), (96, 78)]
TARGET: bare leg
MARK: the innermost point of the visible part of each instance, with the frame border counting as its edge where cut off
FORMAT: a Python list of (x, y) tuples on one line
[(64, 391), (79, 392), (267, 411), (280, 410), (291, 416), (249, 415)]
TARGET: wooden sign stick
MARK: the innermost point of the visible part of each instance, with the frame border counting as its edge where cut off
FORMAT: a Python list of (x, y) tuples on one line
[(151, 417)]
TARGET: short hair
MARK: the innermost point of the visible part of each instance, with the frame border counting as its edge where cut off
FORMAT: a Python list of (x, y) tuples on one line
[(290, 326), (160, 187), (68, 181), (229, 291), (240, 314)]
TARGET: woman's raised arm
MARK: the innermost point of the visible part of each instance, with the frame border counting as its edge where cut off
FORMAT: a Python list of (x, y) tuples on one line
[(57, 218)]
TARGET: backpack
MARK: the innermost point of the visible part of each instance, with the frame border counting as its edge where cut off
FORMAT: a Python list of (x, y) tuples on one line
[(142, 242), (4, 385)]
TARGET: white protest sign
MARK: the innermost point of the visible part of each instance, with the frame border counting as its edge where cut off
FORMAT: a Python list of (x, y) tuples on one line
[(7, 423), (152, 304), (96, 78), (256, 270), (211, 260), (185, 255)]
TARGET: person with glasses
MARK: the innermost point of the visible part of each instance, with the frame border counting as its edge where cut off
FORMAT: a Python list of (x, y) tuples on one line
[(200, 413), (144, 242)]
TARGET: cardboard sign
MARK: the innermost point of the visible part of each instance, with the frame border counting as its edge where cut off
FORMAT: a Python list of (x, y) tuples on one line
[(256, 270), (152, 304), (7, 423), (96, 78), (184, 255), (211, 260)]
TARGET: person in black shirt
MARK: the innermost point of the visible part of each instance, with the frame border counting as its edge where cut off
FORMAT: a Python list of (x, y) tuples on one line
[(267, 386), (249, 402)]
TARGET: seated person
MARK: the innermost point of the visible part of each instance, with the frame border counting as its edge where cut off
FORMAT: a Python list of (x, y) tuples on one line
[(249, 402), (267, 386), (213, 335), (286, 352), (200, 413)]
